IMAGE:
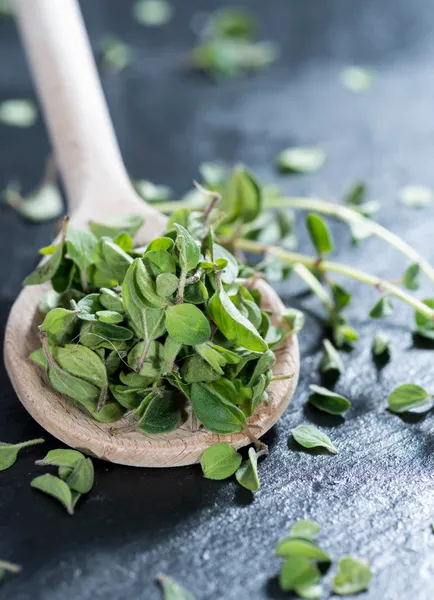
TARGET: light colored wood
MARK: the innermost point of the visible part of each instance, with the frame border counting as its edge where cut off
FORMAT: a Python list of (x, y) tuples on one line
[(68, 423), (98, 188)]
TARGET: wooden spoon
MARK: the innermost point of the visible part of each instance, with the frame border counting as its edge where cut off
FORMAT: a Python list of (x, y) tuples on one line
[(98, 187)]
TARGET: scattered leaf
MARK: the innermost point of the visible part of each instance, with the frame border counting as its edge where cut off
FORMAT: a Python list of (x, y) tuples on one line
[(357, 79), (416, 196), (247, 473), (310, 437), (18, 113), (152, 13), (410, 398), (328, 401)]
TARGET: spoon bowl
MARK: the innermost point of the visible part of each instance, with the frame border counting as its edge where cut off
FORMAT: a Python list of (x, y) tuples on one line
[(98, 188)]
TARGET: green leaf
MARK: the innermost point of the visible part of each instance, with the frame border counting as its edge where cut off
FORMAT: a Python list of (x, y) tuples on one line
[(215, 411), (50, 300), (82, 362), (150, 356), (162, 261), (411, 277), (88, 306), (124, 241), (410, 398), (353, 576), (328, 401), (220, 461), (18, 113), (59, 325), (109, 331), (171, 350), (83, 392), (121, 223), (144, 286), (42, 204), (416, 196), (233, 325), (109, 316), (356, 195), (330, 360), (382, 309), (300, 160), (425, 325), (230, 272), (9, 452), (172, 590), (187, 324), (340, 296), (166, 284), (195, 370), (47, 270), (298, 572), (293, 546), (213, 357), (189, 251), (305, 529), (38, 358), (319, 233), (381, 345), (110, 260), (247, 474), (82, 476), (129, 398), (110, 300), (309, 436), (54, 486), (152, 13), (242, 198), (61, 458), (161, 414), (80, 246), (160, 243)]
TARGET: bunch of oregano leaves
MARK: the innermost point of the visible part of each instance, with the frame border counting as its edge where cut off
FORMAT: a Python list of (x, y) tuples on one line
[(154, 330)]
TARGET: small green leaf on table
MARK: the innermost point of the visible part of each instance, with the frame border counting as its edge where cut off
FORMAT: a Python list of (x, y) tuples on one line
[(309, 436), (328, 401)]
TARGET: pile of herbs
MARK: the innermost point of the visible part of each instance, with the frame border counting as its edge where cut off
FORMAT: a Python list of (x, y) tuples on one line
[(155, 330)]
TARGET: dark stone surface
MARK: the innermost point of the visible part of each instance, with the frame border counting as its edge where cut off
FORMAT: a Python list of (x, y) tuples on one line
[(376, 498)]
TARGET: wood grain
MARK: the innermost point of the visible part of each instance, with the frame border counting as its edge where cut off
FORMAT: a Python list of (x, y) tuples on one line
[(69, 424)]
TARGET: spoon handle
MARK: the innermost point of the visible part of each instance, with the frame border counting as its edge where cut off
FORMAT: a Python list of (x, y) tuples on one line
[(75, 110)]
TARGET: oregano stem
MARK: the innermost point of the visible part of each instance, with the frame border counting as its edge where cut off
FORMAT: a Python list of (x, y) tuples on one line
[(351, 216), (30, 443), (292, 258), (316, 286)]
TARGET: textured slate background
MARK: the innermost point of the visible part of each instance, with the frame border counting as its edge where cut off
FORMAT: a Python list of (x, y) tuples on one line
[(376, 498)]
